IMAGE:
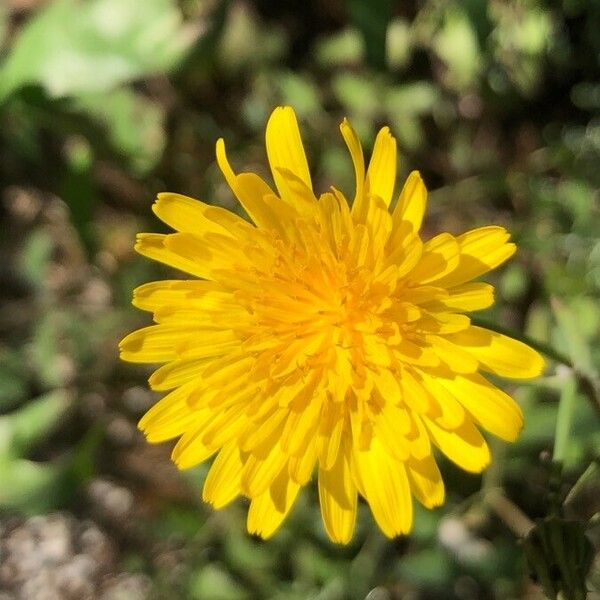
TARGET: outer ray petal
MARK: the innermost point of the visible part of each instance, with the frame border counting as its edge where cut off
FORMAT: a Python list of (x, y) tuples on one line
[(381, 174), (268, 510), (481, 250), (440, 258), (193, 216), (285, 150), (153, 246), (170, 416), (191, 450), (464, 445), (249, 188), (158, 294), (338, 499), (358, 160), (385, 485), (466, 297), (426, 481), (500, 354), (494, 410), (411, 203), (153, 344), (223, 482)]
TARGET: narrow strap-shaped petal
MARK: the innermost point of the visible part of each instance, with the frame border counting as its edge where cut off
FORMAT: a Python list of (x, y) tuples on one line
[(386, 488), (426, 481), (285, 150), (491, 408), (381, 174), (191, 449), (480, 251), (411, 203), (193, 216), (499, 354), (170, 416), (338, 499), (223, 481), (464, 446), (268, 510), (249, 188), (358, 160)]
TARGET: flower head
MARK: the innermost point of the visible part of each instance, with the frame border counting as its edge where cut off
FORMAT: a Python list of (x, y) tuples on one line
[(323, 336)]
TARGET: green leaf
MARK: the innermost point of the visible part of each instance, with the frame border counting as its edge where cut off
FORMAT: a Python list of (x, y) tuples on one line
[(134, 125), (577, 346), (13, 379), (24, 428), (36, 255), (28, 486), (457, 45), (51, 367), (372, 19), (427, 567), (71, 47), (214, 583)]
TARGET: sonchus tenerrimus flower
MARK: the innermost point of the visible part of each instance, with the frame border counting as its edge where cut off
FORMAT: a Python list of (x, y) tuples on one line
[(323, 337)]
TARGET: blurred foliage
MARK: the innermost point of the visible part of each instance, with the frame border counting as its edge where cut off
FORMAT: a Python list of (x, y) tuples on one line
[(103, 104)]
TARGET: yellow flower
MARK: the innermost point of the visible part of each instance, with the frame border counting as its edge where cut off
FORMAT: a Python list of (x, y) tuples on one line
[(323, 336)]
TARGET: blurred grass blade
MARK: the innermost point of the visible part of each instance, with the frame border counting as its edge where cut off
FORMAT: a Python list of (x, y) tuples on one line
[(576, 345), (27, 426), (28, 486), (564, 418)]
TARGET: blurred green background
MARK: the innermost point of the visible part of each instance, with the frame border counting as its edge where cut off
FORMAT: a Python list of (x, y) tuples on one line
[(104, 103)]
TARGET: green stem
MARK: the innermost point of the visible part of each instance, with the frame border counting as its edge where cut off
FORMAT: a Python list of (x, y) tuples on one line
[(564, 419)]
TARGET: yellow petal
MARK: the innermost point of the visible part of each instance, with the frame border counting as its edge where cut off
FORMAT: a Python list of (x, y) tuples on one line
[(156, 294), (411, 203), (356, 153), (494, 410), (442, 323), (381, 174), (209, 253), (263, 466), (481, 250), (301, 467), (257, 433), (300, 427), (391, 426), (386, 488), (453, 355), (426, 481), (267, 511), (193, 216), (177, 373), (249, 188), (299, 195), (191, 450), (337, 496), (170, 416), (154, 344), (444, 408), (464, 446), (439, 258), (500, 354), (153, 246), (223, 481), (467, 297), (285, 150)]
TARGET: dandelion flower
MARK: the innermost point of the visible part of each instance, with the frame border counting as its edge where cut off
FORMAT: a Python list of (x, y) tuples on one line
[(323, 337)]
